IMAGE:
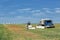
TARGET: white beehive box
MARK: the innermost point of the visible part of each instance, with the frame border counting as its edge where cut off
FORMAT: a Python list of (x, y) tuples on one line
[(30, 27), (42, 27)]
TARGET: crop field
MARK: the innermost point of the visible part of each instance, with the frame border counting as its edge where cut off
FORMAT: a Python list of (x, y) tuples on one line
[(19, 32)]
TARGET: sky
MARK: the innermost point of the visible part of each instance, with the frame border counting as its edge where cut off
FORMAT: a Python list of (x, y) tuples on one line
[(22, 11)]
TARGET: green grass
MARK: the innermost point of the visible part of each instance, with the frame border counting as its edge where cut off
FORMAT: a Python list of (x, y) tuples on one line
[(6, 34), (37, 34), (49, 33), (2, 33)]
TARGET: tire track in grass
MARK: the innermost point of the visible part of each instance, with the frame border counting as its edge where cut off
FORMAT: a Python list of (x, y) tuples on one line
[(20, 30)]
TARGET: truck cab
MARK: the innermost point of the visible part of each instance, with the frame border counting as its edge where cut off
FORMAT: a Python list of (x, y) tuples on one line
[(47, 23)]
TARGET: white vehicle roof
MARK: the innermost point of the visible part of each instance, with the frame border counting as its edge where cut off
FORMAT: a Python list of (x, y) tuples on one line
[(45, 19)]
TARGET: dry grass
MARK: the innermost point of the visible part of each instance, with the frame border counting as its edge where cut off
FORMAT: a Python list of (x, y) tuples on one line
[(19, 32), (22, 31)]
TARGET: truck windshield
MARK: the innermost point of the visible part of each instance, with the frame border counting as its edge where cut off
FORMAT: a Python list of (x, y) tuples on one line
[(49, 22)]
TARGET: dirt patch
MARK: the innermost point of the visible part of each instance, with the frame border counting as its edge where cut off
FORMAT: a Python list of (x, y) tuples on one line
[(20, 30)]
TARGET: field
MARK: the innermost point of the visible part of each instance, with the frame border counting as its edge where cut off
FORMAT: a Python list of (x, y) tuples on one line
[(19, 32)]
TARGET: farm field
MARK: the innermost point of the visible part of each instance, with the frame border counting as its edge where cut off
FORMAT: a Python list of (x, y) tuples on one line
[(19, 32)]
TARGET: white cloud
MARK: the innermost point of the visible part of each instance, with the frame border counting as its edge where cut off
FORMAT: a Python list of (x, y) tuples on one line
[(35, 14), (39, 14), (26, 9), (57, 10), (35, 11), (48, 10), (16, 19), (23, 17)]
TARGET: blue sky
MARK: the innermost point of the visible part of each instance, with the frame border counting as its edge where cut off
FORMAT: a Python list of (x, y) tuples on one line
[(22, 11)]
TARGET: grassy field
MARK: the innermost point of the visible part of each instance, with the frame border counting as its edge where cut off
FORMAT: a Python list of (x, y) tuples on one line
[(19, 32)]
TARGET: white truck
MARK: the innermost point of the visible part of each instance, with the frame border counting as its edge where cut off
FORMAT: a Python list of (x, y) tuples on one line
[(45, 23)]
